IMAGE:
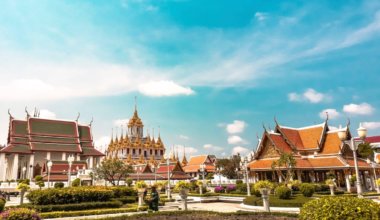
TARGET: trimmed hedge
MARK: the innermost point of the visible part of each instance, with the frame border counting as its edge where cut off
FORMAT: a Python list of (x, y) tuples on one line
[(91, 212), (20, 214), (69, 195), (294, 201), (123, 191), (340, 208), (307, 189), (127, 199), (74, 207), (2, 204), (283, 192)]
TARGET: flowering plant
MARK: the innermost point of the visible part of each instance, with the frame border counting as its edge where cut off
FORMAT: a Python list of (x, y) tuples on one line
[(230, 188), (20, 214), (219, 189)]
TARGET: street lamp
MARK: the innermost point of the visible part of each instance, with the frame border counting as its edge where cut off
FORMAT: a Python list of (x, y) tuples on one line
[(244, 167), (168, 166), (203, 170), (49, 165), (24, 172), (362, 132), (70, 160), (155, 171), (219, 170)]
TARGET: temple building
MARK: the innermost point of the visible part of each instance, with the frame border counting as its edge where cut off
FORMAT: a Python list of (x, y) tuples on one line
[(133, 147), (317, 150), (35, 141), (193, 167)]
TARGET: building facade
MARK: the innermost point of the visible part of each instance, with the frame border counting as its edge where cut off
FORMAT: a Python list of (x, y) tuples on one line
[(35, 141), (318, 152), (193, 167), (134, 147)]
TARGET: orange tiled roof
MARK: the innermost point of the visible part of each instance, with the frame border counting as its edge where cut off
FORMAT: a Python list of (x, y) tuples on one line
[(332, 144), (197, 160), (361, 163), (280, 143), (311, 137), (293, 136)]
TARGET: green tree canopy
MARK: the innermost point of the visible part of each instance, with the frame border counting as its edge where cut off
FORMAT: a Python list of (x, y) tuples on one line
[(113, 170), (365, 150), (287, 162), (229, 166)]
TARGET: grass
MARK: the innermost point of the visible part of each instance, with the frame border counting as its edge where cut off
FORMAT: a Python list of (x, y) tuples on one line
[(294, 201)]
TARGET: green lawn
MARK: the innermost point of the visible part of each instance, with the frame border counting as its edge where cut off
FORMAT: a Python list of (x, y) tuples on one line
[(294, 201)]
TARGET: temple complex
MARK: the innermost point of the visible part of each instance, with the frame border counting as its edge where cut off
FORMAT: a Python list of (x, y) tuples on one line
[(135, 148), (318, 152), (35, 141)]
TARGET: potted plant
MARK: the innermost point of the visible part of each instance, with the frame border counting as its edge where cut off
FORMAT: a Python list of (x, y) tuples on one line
[(140, 186), (331, 184), (264, 186), (183, 188), (378, 185)]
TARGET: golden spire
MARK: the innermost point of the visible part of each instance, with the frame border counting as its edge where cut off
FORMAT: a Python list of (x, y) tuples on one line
[(184, 160)]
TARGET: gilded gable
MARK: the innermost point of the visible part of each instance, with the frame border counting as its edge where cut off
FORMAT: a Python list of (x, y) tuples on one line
[(269, 150)]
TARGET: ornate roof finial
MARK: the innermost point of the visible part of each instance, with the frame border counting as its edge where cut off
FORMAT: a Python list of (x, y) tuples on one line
[(275, 120), (27, 113), (135, 103), (77, 117), (9, 113), (92, 120), (159, 132), (35, 112), (327, 116), (348, 122)]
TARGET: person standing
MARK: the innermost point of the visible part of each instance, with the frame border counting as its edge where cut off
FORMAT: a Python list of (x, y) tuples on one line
[(155, 198)]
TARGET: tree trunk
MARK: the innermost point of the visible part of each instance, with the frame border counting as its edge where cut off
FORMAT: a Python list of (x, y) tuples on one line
[(22, 197)]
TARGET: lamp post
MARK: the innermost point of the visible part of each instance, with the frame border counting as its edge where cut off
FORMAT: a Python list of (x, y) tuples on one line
[(24, 172), (155, 172), (362, 132), (49, 165), (168, 186), (30, 172), (244, 167), (70, 160)]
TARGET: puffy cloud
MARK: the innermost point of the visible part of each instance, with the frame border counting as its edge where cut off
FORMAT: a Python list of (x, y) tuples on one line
[(211, 147), (102, 143), (235, 140), (164, 88), (333, 113), (191, 150), (371, 125), (236, 127), (121, 122), (358, 109), (44, 113), (310, 95), (240, 150), (183, 137)]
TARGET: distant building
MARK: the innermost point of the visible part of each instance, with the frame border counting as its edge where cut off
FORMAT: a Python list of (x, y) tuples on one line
[(134, 147), (317, 150), (193, 167), (374, 141), (35, 141)]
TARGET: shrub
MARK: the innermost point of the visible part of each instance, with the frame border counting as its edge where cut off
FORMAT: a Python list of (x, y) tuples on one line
[(241, 188), (25, 181), (330, 182), (75, 207), (321, 187), (295, 184), (75, 182), (182, 185), (340, 208), (70, 195), (122, 191), (283, 192), (129, 181), (219, 189), (140, 185), (127, 199), (263, 184), (307, 189), (2, 204), (230, 188), (20, 214), (59, 185), (239, 182)]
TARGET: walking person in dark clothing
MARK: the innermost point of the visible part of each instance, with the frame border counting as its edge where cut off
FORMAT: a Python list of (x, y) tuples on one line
[(155, 198)]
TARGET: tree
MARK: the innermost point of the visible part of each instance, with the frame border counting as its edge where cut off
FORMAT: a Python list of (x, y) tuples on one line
[(229, 165), (365, 150), (113, 170), (286, 161), (39, 180), (209, 176), (23, 187)]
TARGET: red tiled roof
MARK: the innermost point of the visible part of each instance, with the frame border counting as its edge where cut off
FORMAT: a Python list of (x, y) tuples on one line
[(373, 139), (57, 177), (280, 143), (332, 144)]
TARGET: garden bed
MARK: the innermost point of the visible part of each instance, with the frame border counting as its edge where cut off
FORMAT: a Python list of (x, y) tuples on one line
[(294, 201)]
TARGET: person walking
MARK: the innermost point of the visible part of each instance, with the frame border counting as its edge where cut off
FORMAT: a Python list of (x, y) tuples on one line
[(155, 198)]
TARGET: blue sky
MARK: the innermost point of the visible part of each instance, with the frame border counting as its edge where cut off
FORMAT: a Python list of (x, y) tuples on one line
[(209, 73)]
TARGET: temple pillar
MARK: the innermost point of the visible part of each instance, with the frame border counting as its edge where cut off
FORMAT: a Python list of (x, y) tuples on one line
[(15, 167), (312, 176), (91, 163), (31, 165), (280, 178), (64, 156), (348, 184), (3, 167), (48, 156), (299, 175)]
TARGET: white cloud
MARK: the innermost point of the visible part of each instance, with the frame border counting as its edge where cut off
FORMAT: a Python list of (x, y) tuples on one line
[(310, 95), (236, 127), (191, 150), (261, 16), (235, 140), (183, 137), (121, 122), (164, 88), (333, 113), (211, 147), (358, 109), (371, 125), (44, 113), (102, 143), (240, 150)]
